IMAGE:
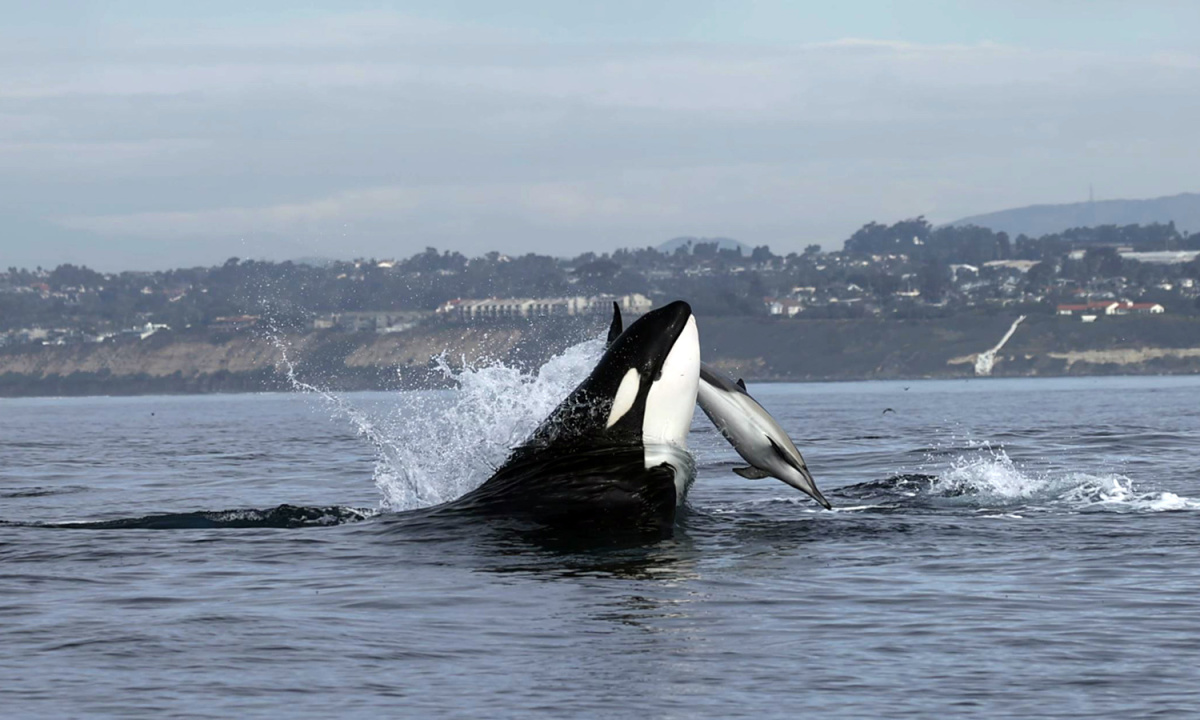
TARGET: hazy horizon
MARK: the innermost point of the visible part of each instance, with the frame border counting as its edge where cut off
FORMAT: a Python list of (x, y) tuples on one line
[(151, 135)]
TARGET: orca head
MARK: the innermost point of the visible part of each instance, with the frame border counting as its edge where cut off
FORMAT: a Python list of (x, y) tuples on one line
[(655, 364), (643, 389)]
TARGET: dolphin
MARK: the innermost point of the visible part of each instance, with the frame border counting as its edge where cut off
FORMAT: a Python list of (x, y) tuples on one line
[(613, 454), (755, 435)]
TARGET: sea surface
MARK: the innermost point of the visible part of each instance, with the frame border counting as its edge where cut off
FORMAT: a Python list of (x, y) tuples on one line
[(998, 548)]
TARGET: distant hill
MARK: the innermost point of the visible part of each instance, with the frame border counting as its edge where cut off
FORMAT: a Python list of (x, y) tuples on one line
[(669, 247), (1036, 220)]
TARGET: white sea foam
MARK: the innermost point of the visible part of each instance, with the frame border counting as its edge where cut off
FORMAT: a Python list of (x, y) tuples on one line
[(434, 446), (444, 444), (989, 478)]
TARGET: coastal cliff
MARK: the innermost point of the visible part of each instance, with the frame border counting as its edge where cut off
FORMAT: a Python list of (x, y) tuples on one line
[(763, 349)]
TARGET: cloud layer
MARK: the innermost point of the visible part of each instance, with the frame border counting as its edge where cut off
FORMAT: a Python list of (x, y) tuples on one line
[(378, 134)]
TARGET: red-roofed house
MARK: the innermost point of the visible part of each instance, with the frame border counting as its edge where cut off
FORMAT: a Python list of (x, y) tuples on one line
[(1103, 307)]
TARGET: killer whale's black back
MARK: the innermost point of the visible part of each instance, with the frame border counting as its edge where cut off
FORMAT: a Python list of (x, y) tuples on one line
[(597, 490), (580, 472)]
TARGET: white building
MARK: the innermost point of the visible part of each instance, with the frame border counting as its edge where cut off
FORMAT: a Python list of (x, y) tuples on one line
[(784, 307), (493, 308)]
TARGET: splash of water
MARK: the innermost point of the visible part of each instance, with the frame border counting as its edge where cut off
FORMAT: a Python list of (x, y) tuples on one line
[(979, 478), (446, 443), (990, 477), (990, 473), (434, 446)]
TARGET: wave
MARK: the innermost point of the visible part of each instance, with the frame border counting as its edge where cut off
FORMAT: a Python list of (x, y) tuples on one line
[(41, 491), (988, 480), (992, 478), (283, 516)]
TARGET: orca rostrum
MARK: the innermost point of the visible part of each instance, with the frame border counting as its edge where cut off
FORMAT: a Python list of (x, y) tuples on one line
[(613, 455)]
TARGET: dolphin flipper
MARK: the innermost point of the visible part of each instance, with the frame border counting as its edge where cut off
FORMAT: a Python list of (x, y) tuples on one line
[(614, 330), (751, 473)]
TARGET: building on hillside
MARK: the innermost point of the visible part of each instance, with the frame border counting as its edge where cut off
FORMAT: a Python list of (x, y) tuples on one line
[(376, 321), (1111, 307), (498, 308), (971, 270), (1132, 308), (150, 328), (1161, 257), (1018, 265), (233, 323), (783, 307), (1103, 307)]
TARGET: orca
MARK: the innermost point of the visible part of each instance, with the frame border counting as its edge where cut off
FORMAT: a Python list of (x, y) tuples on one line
[(616, 328), (754, 434), (613, 455)]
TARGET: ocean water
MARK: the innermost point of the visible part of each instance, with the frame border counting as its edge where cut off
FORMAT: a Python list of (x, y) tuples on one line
[(998, 548)]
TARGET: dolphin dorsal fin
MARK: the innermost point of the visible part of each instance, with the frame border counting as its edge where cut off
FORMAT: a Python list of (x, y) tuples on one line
[(779, 451), (750, 472), (617, 327), (742, 384)]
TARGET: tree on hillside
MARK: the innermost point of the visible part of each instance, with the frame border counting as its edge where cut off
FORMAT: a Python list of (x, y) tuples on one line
[(70, 276)]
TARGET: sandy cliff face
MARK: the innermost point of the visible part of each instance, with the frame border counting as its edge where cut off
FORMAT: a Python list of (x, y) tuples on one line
[(152, 357), (169, 362), (754, 348), (165, 355), (416, 348), (1125, 356)]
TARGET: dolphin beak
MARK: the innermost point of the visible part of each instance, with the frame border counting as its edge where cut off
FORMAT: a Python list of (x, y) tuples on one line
[(809, 486)]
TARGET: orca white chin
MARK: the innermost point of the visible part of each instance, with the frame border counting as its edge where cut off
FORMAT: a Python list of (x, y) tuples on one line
[(670, 405), (672, 398)]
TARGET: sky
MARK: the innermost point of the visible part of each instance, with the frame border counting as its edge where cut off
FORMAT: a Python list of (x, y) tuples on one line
[(146, 135)]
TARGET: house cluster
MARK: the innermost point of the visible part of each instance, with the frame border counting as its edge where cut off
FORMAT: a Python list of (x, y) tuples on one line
[(233, 323), (381, 321), (1088, 312), (497, 308), (75, 336)]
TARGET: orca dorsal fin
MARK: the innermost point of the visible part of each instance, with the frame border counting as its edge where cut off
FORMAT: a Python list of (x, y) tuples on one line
[(742, 384), (779, 451), (617, 327), (750, 472)]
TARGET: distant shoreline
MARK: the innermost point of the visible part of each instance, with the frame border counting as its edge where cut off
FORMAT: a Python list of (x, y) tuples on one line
[(761, 350), (750, 380)]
